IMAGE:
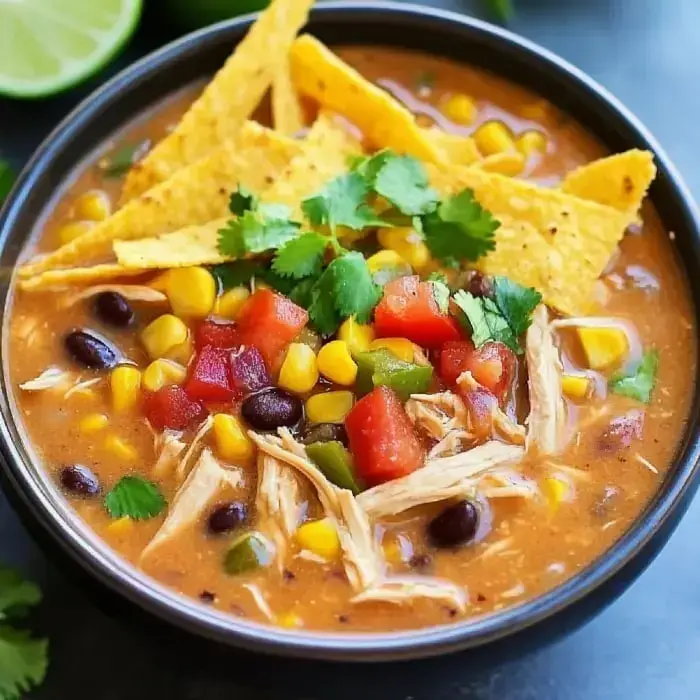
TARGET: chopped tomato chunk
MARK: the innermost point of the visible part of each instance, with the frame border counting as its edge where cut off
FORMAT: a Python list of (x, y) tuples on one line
[(269, 322), (408, 310), (210, 375), (218, 334), (171, 407), (382, 439), (248, 370), (492, 365)]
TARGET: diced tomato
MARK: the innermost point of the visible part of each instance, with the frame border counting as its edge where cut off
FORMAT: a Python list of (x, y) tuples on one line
[(218, 334), (210, 375), (269, 322), (248, 370), (171, 407), (382, 440), (408, 310), (492, 365)]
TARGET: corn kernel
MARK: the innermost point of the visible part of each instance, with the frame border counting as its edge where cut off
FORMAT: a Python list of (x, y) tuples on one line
[(121, 448), (162, 373), (400, 347), (289, 620), (299, 371), (319, 537), (94, 205), (229, 303), (182, 353), (493, 137), (125, 382), (232, 442), (336, 364), (357, 336), (330, 407), (191, 291), (460, 109), (163, 335), (160, 281), (535, 111), (576, 386), (556, 491), (604, 348), (531, 142), (510, 164), (392, 551), (384, 259), (75, 229), (122, 527), (93, 423), (408, 243)]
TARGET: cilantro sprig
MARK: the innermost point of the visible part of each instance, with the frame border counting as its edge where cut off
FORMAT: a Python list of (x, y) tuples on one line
[(135, 498), (640, 383), (7, 179)]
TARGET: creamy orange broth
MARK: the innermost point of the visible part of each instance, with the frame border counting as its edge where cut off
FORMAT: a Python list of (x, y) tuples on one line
[(530, 547)]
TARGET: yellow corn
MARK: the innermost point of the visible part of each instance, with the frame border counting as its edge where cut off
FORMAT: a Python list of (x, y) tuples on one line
[(535, 111), (125, 382), (163, 335), (94, 205), (336, 364), (330, 407), (400, 347), (182, 353), (556, 491), (289, 620), (93, 423), (493, 137), (160, 281), (319, 537), (576, 386), (407, 243), (308, 337), (531, 142), (357, 336), (232, 442), (460, 109), (162, 373), (122, 527), (191, 291), (604, 348), (121, 448), (229, 303), (392, 551), (384, 259), (299, 371), (508, 163), (75, 229)]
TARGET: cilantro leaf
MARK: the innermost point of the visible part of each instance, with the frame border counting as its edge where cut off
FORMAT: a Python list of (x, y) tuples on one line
[(136, 498), (120, 161), (441, 294), (322, 311), (503, 9), (402, 180), (242, 201), (342, 203), (301, 257), (236, 273), (253, 232), (283, 285), (23, 662), (302, 293), (7, 179), (16, 594), (516, 303), (460, 229), (640, 383), (437, 276), (486, 321)]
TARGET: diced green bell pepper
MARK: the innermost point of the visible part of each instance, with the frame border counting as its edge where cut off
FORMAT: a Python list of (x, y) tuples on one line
[(248, 552), (382, 368), (335, 461)]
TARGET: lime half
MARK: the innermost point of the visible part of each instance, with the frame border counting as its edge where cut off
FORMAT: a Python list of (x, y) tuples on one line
[(49, 45)]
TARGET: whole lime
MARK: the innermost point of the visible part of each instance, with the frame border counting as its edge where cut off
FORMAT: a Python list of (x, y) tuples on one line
[(193, 14)]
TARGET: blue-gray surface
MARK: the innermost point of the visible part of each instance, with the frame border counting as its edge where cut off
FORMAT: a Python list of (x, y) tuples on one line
[(646, 645)]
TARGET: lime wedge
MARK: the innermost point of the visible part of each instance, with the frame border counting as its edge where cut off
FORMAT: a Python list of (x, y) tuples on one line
[(49, 45)]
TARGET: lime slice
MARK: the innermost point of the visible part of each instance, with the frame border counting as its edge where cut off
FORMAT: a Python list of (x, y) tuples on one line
[(49, 45), (193, 14)]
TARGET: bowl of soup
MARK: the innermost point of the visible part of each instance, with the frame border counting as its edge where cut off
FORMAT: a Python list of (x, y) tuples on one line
[(371, 337)]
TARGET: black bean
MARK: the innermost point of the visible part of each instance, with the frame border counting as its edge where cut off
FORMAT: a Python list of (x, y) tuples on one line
[(271, 409), (207, 597), (226, 517), (87, 348), (79, 479), (325, 432), (456, 525), (113, 309), (420, 562)]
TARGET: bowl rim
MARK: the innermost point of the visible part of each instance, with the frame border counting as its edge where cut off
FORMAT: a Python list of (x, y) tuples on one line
[(104, 564)]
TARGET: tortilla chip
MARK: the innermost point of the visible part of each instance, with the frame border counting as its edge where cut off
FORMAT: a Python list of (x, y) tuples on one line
[(620, 181), (287, 115), (57, 279), (193, 195), (319, 74), (509, 163), (458, 150), (549, 240), (228, 100)]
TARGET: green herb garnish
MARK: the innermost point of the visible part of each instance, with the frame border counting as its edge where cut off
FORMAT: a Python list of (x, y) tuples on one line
[(503, 9), (119, 162), (136, 498), (302, 256), (441, 294), (23, 659), (7, 179), (242, 201), (640, 383)]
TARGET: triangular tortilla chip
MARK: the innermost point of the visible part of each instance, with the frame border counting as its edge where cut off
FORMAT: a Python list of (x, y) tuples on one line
[(458, 150), (287, 115), (228, 100), (56, 279)]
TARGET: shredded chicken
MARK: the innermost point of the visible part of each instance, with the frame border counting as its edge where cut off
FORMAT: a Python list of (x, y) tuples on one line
[(438, 414), (132, 292), (439, 480), (278, 494), (260, 601), (171, 447), (50, 378), (81, 385), (185, 462), (451, 444), (546, 423), (402, 590), (202, 484)]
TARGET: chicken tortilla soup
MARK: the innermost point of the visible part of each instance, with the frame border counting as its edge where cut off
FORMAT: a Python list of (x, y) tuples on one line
[(357, 339)]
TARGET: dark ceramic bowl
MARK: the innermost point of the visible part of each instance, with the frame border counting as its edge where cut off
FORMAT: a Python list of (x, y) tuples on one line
[(198, 55)]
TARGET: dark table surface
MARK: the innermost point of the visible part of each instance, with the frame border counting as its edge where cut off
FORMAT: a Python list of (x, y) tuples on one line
[(646, 645)]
